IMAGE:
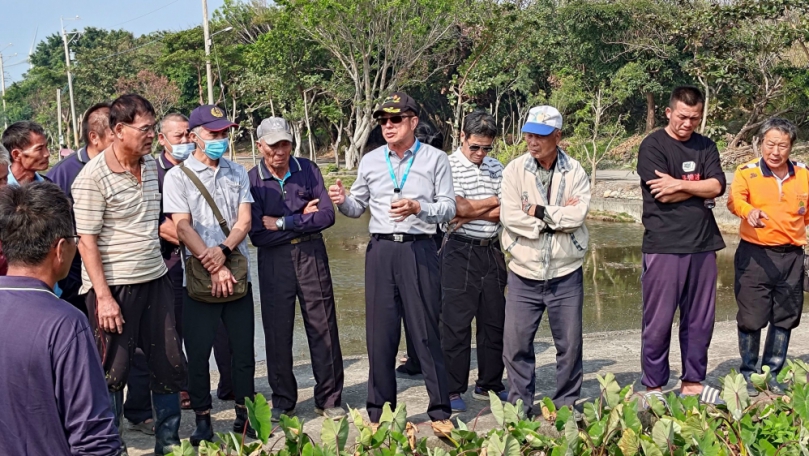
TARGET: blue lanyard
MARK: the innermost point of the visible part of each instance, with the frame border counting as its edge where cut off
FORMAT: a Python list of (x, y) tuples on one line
[(407, 170)]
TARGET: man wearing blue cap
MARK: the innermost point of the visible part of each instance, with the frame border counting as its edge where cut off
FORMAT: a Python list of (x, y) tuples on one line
[(208, 198), (545, 198)]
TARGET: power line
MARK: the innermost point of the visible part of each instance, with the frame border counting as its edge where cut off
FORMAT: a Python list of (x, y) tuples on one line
[(128, 50), (150, 12)]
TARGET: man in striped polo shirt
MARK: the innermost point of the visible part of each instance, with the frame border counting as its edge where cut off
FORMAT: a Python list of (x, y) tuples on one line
[(473, 269), (130, 300)]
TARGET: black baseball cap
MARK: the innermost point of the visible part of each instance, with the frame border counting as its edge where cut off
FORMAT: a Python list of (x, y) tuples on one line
[(397, 103), (209, 117)]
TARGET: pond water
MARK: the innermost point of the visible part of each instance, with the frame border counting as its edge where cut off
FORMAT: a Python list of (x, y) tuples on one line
[(612, 297)]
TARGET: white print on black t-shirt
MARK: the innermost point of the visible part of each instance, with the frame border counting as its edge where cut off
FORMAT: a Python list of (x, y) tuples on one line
[(689, 166)]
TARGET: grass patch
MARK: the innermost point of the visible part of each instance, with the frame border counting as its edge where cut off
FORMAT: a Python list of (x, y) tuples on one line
[(606, 216)]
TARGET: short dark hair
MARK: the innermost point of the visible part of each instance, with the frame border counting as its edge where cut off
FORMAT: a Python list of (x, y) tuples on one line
[(480, 123), (94, 121), (18, 134), (33, 217), (780, 124), (125, 108), (428, 134), (689, 95), (172, 117)]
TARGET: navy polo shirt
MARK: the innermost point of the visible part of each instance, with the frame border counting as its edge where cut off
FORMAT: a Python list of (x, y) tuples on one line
[(169, 250), (53, 395), (287, 198), (63, 174)]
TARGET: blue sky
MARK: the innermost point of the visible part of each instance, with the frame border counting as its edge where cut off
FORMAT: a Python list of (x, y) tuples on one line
[(19, 20)]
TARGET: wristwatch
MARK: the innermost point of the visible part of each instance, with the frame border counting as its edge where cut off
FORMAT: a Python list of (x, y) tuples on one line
[(225, 250), (279, 223)]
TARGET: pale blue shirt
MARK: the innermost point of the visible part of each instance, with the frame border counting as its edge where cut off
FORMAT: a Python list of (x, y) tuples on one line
[(429, 183)]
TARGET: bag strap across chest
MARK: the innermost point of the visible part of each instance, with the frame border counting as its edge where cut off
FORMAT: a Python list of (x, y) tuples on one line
[(205, 194)]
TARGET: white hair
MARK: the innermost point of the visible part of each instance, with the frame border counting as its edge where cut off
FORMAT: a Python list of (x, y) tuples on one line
[(5, 158)]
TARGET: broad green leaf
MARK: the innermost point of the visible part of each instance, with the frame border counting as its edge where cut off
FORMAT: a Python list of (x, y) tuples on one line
[(496, 405), (512, 415), (663, 434), (656, 405), (461, 425), (649, 447), (399, 418), (800, 402), (308, 450), (596, 432), (766, 447), (610, 389), (250, 448), (562, 416), (333, 434), (614, 419), (630, 417), (365, 437), (591, 413), (571, 434), (183, 449), (547, 402), (356, 417), (761, 381), (803, 441), (259, 414), (629, 442), (387, 414), (734, 393)]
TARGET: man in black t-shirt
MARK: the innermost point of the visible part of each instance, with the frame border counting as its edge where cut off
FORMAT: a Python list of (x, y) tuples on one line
[(680, 175)]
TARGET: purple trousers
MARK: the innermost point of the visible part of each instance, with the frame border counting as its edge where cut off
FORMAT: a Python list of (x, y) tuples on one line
[(669, 282)]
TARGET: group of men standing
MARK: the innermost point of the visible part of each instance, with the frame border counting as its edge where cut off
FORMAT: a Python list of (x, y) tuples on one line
[(162, 261)]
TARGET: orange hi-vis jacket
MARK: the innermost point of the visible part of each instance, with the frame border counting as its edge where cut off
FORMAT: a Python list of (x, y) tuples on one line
[(756, 187)]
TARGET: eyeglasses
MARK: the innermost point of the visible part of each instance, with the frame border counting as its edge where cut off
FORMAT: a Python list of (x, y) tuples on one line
[(475, 148), (144, 129), (74, 237), (394, 120)]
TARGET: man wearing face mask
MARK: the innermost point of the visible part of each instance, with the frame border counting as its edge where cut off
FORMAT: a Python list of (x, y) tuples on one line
[(130, 299), (208, 199), (97, 136)]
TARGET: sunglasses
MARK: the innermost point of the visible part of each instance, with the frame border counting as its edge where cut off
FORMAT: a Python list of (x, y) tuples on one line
[(394, 120), (475, 148)]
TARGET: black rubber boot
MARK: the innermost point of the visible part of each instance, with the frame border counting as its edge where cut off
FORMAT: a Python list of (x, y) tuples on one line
[(775, 349), (749, 345), (167, 422), (204, 430), (117, 405), (241, 421)]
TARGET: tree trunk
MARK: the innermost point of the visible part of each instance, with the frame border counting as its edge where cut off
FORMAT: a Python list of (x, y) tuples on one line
[(650, 112), (253, 146), (297, 126), (309, 129), (706, 91), (358, 140), (336, 146), (593, 165)]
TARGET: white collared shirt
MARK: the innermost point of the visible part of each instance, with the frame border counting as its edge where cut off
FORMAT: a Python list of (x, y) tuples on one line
[(476, 183)]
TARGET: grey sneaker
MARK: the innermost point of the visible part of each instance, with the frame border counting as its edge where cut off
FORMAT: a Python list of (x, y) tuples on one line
[(334, 413), (277, 412)]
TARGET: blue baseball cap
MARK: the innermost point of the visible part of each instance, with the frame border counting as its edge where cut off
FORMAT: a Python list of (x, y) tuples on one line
[(209, 117), (542, 120)]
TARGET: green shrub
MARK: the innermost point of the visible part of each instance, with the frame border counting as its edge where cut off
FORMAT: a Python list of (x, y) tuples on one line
[(331, 168), (612, 425)]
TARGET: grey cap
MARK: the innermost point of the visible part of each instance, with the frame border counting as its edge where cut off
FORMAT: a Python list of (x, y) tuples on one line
[(274, 130)]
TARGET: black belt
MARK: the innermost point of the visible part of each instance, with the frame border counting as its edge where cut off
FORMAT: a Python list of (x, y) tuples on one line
[(473, 241), (785, 248), (399, 237), (310, 237)]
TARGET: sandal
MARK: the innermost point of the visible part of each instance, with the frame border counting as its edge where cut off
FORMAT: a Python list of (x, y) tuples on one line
[(146, 427), (709, 395), (185, 400), (643, 402)]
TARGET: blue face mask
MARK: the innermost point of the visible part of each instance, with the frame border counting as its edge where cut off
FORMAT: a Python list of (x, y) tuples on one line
[(215, 148), (182, 151)]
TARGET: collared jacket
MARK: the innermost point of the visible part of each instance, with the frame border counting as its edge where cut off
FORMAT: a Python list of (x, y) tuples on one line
[(554, 246), (288, 198), (755, 186)]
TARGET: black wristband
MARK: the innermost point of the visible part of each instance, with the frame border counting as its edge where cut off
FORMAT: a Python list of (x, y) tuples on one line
[(539, 212), (225, 249)]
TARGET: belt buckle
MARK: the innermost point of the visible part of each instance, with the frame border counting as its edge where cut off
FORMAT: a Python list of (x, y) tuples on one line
[(485, 242), (398, 237), (295, 241)]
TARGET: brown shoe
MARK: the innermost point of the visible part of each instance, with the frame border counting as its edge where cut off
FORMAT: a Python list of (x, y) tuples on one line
[(442, 428), (374, 426)]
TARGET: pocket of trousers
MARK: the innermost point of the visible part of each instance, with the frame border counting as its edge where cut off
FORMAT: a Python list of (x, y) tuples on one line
[(455, 266)]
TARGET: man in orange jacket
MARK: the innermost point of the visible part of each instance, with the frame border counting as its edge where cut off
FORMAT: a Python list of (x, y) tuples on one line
[(770, 195)]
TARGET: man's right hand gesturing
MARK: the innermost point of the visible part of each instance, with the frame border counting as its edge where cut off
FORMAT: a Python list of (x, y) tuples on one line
[(755, 217), (337, 193), (110, 318)]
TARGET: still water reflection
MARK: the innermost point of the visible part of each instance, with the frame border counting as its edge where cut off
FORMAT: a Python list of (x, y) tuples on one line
[(612, 270)]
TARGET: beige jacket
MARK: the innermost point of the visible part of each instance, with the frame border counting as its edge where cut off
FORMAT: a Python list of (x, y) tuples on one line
[(538, 255)]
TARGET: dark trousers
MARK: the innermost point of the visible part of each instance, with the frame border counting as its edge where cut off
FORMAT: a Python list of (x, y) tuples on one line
[(669, 282), (200, 322), (286, 273), (148, 310), (402, 280), (769, 291), (473, 282), (527, 300)]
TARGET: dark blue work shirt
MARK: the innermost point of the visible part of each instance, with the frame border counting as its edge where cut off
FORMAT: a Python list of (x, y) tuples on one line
[(169, 250), (63, 174), (287, 198), (53, 395)]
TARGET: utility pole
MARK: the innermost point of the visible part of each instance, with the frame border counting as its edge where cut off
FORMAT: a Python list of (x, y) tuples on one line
[(207, 37), (70, 87), (59, 119)]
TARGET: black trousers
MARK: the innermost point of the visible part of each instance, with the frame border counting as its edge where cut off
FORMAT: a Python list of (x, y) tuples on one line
[(402, 280), (286, 273), (200, 321), (473, 283), (768, 286), (148, 310)]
